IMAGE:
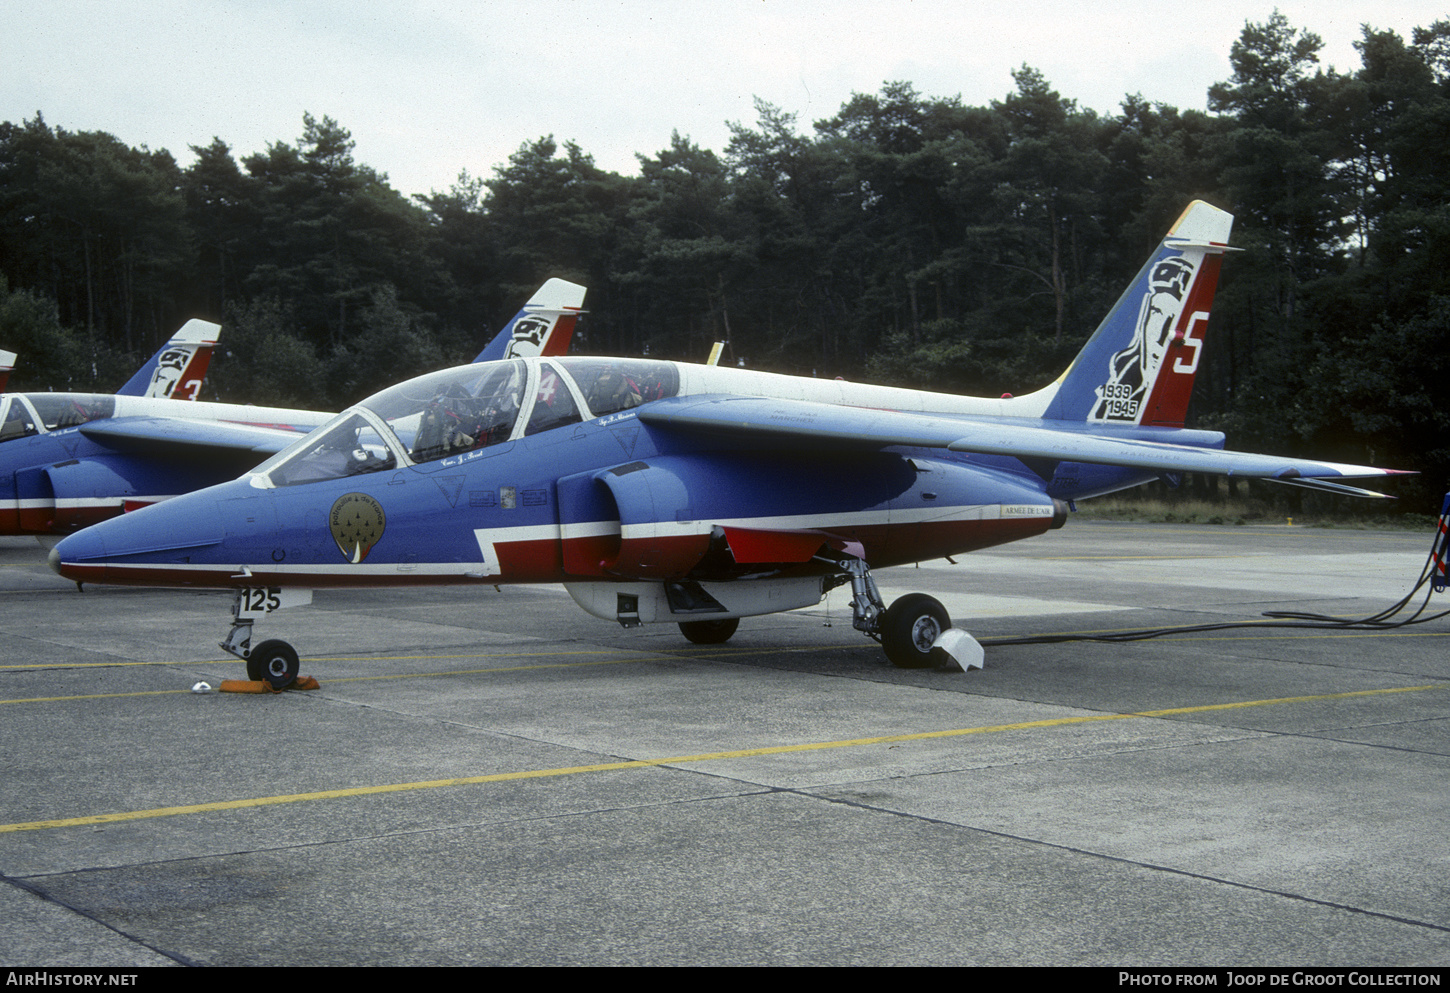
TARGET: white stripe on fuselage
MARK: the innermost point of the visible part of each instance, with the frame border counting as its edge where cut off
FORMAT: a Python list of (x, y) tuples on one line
[(81, 503), (838, 521), (489, 538), (791, 522)]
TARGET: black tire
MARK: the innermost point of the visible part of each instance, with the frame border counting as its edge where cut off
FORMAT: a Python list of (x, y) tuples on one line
[(908, 629), (715, 632), (274, 661)]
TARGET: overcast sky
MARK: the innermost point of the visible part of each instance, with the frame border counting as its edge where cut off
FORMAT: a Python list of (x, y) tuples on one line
[(432, 87)]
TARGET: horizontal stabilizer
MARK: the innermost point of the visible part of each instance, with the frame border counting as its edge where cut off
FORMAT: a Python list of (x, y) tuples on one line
[(1325, 486), (1017, 441)]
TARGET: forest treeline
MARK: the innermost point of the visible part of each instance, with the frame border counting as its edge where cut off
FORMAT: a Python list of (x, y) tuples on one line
[(908, 239)]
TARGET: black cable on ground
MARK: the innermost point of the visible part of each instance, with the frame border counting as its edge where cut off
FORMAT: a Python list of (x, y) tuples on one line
[(1433, 574)]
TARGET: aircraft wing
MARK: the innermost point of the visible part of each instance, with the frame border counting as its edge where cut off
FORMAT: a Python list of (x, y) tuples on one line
[(197, 437), (810, 423)]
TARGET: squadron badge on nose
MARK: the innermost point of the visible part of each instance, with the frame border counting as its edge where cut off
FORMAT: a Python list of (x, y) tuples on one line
[(357, 523)]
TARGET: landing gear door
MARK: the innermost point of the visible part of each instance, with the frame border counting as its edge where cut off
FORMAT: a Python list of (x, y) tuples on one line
[(256, 602)]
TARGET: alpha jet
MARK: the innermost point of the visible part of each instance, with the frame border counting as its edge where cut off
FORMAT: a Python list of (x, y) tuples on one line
[(665, 492), (68, 460), (54, 478), (175, 372)]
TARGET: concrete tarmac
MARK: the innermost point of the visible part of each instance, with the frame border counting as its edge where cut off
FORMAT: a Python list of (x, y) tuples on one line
[(496, 778)]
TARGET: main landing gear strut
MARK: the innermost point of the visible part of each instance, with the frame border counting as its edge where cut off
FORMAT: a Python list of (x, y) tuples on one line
[(915, 631)]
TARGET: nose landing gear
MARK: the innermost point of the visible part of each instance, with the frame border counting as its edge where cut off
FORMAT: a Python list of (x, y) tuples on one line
[(274, 661)]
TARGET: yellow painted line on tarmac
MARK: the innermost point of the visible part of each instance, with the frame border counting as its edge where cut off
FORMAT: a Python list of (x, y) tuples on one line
[(87, 665), (647, 655), (646, 652), (92, 696), (575, 770), (340, 658), (335, 679)]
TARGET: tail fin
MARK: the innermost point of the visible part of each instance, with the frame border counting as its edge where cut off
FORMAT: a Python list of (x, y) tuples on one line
[(544, 327), (176, 371), (7, 362), (1138, 367)]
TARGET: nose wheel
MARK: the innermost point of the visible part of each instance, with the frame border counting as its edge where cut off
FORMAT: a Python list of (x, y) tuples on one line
[(276, 662)]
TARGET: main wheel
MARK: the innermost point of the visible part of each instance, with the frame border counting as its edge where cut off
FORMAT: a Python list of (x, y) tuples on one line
[(274, 661), (909, 628), (714, 632)]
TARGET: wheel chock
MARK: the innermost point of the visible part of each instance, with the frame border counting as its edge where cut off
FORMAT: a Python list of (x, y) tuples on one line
[(958, 650), (244, 686), (262, 686)]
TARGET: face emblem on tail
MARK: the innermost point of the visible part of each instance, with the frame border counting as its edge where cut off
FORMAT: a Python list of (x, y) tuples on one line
[(1132, 370), (357, 522), (531, 331), (170, 365)]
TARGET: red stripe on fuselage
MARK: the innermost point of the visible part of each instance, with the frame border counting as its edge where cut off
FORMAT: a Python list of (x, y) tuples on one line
[(49, 519), (541, 560)]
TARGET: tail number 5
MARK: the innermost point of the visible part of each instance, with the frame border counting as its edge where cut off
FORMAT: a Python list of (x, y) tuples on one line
[(1191, 337)]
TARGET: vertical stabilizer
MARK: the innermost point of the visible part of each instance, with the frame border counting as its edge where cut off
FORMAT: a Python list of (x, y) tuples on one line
[(7, 363), (177, 370), (1138, 367), (544, 327)]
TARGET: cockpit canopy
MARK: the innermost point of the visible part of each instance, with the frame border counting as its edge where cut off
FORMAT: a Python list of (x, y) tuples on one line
[(25, 414), (446, 416)]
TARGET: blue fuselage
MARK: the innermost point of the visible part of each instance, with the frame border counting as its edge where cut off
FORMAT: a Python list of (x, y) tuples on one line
[(545, 492)]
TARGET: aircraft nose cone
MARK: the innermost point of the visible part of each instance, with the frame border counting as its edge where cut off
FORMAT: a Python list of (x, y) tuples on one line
[(83, 546), (178, 542)]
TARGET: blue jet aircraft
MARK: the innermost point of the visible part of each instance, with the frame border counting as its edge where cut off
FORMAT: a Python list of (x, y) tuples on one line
[(68, 460), (178, 368), (665, 492), (34, 431)]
